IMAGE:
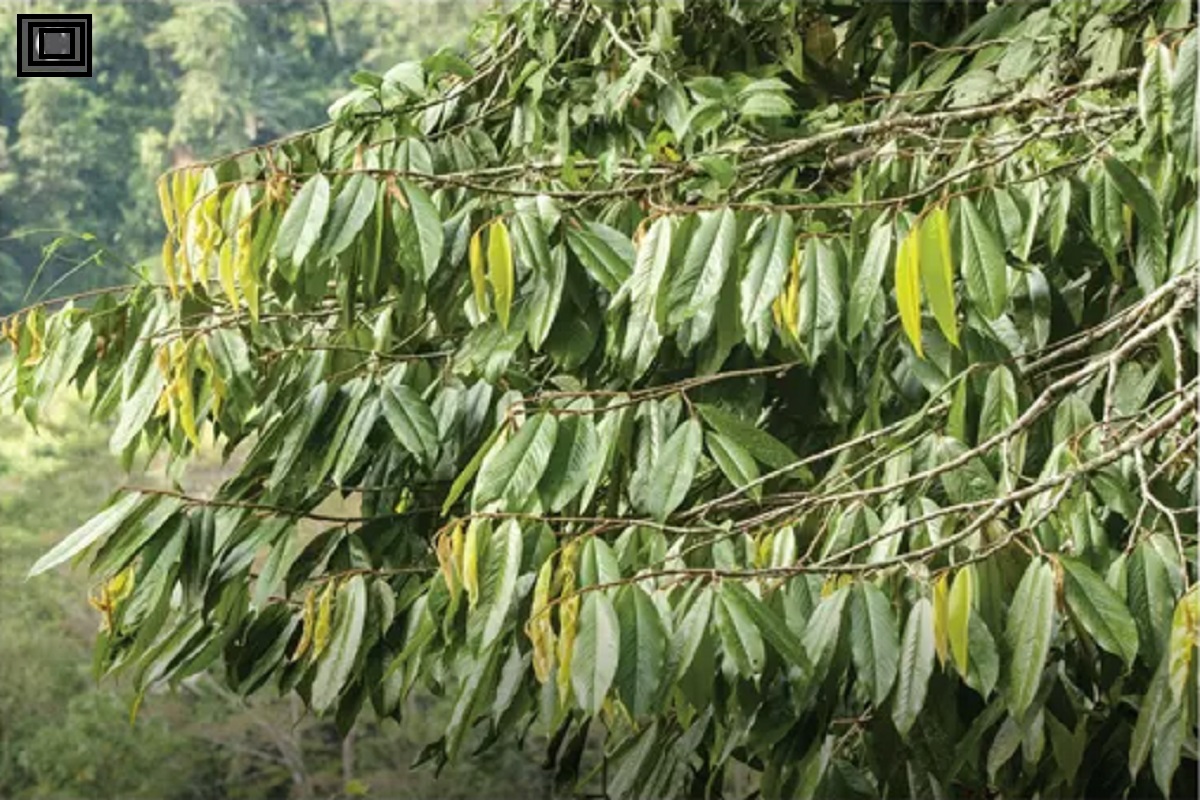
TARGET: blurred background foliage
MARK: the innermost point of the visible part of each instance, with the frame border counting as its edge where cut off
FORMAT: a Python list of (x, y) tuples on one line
[(172, 82)]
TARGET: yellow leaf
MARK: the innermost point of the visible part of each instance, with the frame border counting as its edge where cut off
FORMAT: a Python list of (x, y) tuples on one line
[(225, 272), (539, 629), (500, 269), (1185, 635), (245, 268), (33, 324), (308, 622), (937, 271), (120, 585), (168, 262), (908, 289), (456, 551), (445, 556), (164, 202), (324, 620), (183, 393), (568, 616), (941, 605), (470, 576), (961, 597), (475, 256)]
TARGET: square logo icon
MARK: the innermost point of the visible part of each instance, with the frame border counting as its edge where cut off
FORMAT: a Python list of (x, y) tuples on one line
[(54, 45)]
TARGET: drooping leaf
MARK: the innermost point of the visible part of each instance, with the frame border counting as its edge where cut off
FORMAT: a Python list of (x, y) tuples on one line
[(867, 282), (916, 666), (411, 421), (515, 471), (740, 637), (669, 484), (735, 462), (1152, 269), (937, 270), (89, 533), (302, 224), (1100, 610), (337, 662), (908, 288), (763, 281), (875, 640), (597, 649), (985, 272), (643, 650), (1028, 633), (962, 595), (498, 579), (695, 287), (500, 270)]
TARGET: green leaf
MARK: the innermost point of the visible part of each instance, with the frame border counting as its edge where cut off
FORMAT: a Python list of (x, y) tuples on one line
[(760, 444), (476, 686), (606, 253), (596, 652), (999, 409), (643, 651), (1150, 598), (868, 279), (301, 226), (709, 253), (546, 298), (770, 625), (820, 297), (1060, 212), (515, 471), (1185, 624), (87, 534), (356, 437), (1100, 610), (908, 288), (735, 462), (823, 631), (337, 661), (916, 666), (1152, 269), (498, 580), (597, 563), (740, 637), (1154, 92), (689, 632), (937, 270), (642, 336), (1185, 130), (419, 231), (874, 641), (670, 482), (576, 446), (411, 421), (984, 666), (765, 274), (1155, 705), (962, 592), (985, 271), (469, 471), (1029, 631), (353, 205)]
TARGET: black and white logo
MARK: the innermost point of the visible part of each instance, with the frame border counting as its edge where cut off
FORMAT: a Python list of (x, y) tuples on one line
[(54, 45)]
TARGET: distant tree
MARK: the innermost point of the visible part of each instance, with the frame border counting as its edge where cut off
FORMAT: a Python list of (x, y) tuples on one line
[(810, 387)]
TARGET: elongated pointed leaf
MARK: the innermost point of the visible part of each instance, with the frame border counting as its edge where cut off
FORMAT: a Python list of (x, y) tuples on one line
[(735, 462), (1100, 610), (1029, 631), (908, 288), (962, 594), (985, 271), (576, 446), (916, 666), (689, 631), (419, 231), (1151, 269), (353, 205), (765, 274), (937, 271), (698, 282), (673, 478), (515, 471), (337, 662), (867, 282), (597, 650), (302, 223), (874, 641), (772, 627), (760, 444), (606, 253), (88, 534), (411, 421), (498, 579), (642, 335), (740, 637), (500, 270), (643, 651)]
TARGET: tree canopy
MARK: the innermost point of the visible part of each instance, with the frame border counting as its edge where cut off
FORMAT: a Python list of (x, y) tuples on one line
[(810, 386)]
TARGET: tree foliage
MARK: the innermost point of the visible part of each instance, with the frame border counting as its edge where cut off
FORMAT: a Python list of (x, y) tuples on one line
[(809, 386)]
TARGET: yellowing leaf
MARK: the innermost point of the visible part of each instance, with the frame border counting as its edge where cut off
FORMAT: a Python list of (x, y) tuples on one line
[(168, 262), (539, 629), (500, 269), (244, 267), (478, 280), (445, 556), (309, 622), (941, 615), (961, 596), (225, 272), (324, 620), (908, 289), (937, 271), (182, 387), (470, 576)]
